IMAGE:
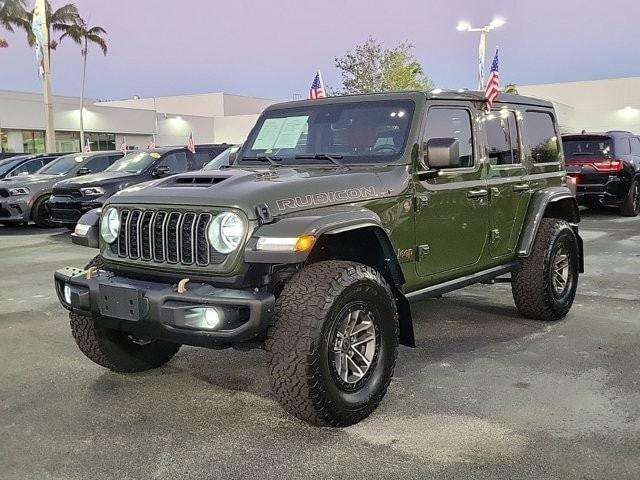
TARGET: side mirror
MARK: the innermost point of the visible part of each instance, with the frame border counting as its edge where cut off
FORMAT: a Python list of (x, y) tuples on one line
[(83, 171), (442, 153), (161, 171)]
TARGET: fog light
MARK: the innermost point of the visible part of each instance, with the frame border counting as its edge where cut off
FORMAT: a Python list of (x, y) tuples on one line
[(67, 293), (209, 318)]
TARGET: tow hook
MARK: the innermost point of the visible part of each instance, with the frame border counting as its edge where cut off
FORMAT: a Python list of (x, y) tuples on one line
[(182, 285)]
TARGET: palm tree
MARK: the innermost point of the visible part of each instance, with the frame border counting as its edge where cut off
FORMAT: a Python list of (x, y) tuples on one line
[(59, 20), (81, 34), (12, 15)]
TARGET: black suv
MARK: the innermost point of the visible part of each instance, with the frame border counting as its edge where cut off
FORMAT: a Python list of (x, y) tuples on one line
[(72, 198), (606, 169), (25, 164)]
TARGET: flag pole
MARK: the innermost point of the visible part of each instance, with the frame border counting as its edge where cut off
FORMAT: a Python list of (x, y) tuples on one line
[(50, 138)]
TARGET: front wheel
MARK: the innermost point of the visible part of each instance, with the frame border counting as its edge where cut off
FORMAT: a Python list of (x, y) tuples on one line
[(544, 286), (115, 350), (40, 213), (333, 346)]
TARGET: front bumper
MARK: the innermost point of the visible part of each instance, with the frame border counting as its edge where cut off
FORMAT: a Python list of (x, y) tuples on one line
[(67, 210), (15, 209), (156, 310)]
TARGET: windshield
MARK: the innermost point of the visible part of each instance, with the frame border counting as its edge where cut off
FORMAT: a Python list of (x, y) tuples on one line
[(361, 132), (134, 162), (8, 163), (62, 165), (595, 146), (221, 160)]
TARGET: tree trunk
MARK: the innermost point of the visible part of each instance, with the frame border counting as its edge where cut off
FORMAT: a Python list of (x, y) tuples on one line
[(84, 74)]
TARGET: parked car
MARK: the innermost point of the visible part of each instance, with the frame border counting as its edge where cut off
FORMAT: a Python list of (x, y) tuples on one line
[(606, 169), (4, 155), (336, 215), (73, 197), (25, 164), (25, 198), (223, 160)]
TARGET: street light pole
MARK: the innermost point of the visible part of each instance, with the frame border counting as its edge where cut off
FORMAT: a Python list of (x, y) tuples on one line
[(50, 136), (466, 27)]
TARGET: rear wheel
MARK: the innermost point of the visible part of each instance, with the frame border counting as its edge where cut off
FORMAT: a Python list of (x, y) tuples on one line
[(631, 205), (332, 349), (544, 286), (40, 213)]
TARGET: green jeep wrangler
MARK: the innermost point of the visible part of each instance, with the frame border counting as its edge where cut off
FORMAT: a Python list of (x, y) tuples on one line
[(336, 215)]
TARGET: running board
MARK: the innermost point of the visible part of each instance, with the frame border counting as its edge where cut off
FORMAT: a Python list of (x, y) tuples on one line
[(451, 285)]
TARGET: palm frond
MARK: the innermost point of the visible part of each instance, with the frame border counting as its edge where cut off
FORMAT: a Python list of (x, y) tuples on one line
[(99, 41), (66, 14)]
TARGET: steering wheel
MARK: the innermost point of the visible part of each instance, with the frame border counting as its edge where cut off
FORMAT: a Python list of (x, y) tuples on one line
[(383, 148)]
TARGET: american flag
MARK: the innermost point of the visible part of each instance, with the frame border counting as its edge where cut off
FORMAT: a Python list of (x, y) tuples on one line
[(123, 147), (493, 84), (190, 146), (152, 143), (87, 146), (317, 88)]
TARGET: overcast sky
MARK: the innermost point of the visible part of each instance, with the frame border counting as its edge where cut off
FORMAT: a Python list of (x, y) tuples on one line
[(272, 48)]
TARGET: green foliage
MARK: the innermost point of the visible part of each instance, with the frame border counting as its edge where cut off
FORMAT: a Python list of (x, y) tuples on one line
[(372, 68), (511, 88), (12, 15), (81, 34)]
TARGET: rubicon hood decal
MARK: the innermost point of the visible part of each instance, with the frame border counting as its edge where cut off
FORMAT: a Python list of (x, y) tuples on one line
[(325, 198)]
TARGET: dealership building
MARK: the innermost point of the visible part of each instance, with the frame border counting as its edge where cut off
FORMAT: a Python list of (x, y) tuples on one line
[(597, 105), (211, 117)]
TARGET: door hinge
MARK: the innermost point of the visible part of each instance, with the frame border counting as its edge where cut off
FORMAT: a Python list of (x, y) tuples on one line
[(423, 251), (421, 202)]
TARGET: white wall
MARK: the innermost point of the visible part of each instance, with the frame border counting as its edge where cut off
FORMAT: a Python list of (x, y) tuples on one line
[(233, 129), (598, 105)]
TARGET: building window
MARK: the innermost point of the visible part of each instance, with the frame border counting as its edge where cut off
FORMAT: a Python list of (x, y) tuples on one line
[(68, 141), (101, 141), (33, 141)]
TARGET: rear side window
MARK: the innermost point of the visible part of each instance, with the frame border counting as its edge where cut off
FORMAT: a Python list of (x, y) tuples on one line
[(200, 159), (177, 162), (635, 146), (26, 168), (542, 137), (502, 138), (452, 123), (98, 164)]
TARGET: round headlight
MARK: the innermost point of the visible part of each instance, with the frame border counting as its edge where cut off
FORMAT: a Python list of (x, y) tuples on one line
[(226, 232), (110, 225)]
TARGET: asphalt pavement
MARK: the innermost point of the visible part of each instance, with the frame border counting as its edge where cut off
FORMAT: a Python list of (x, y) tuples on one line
[(485, 395)]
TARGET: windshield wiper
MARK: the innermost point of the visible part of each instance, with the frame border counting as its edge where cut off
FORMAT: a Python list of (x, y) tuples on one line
[(335, 159), (264, 158)]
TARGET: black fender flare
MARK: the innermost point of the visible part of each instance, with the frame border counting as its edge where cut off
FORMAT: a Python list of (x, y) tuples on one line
[(87, 234), (325, 224), (555, 202)]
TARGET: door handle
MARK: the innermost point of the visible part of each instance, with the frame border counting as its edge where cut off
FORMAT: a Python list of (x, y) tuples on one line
[(477, 193), (521, 188)]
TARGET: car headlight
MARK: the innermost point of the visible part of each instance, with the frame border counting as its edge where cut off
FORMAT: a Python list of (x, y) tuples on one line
[(18, 191), (92, 191), (226, 232), (110, 225)]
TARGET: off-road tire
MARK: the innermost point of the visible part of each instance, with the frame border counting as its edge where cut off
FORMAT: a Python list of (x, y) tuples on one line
[(297, 345), (40, 213), (631, 205), (116, 350), (531, 284)]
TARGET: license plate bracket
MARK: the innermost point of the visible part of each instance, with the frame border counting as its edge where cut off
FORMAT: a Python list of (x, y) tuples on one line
[(120, 302)]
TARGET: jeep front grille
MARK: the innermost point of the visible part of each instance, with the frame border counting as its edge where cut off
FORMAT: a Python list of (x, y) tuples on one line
[(166, 237)]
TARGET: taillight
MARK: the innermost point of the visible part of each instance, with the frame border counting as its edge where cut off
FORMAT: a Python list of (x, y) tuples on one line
[(609, 166)]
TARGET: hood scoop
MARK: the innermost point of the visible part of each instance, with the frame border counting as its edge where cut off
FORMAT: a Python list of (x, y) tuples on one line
[(195, 181)]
